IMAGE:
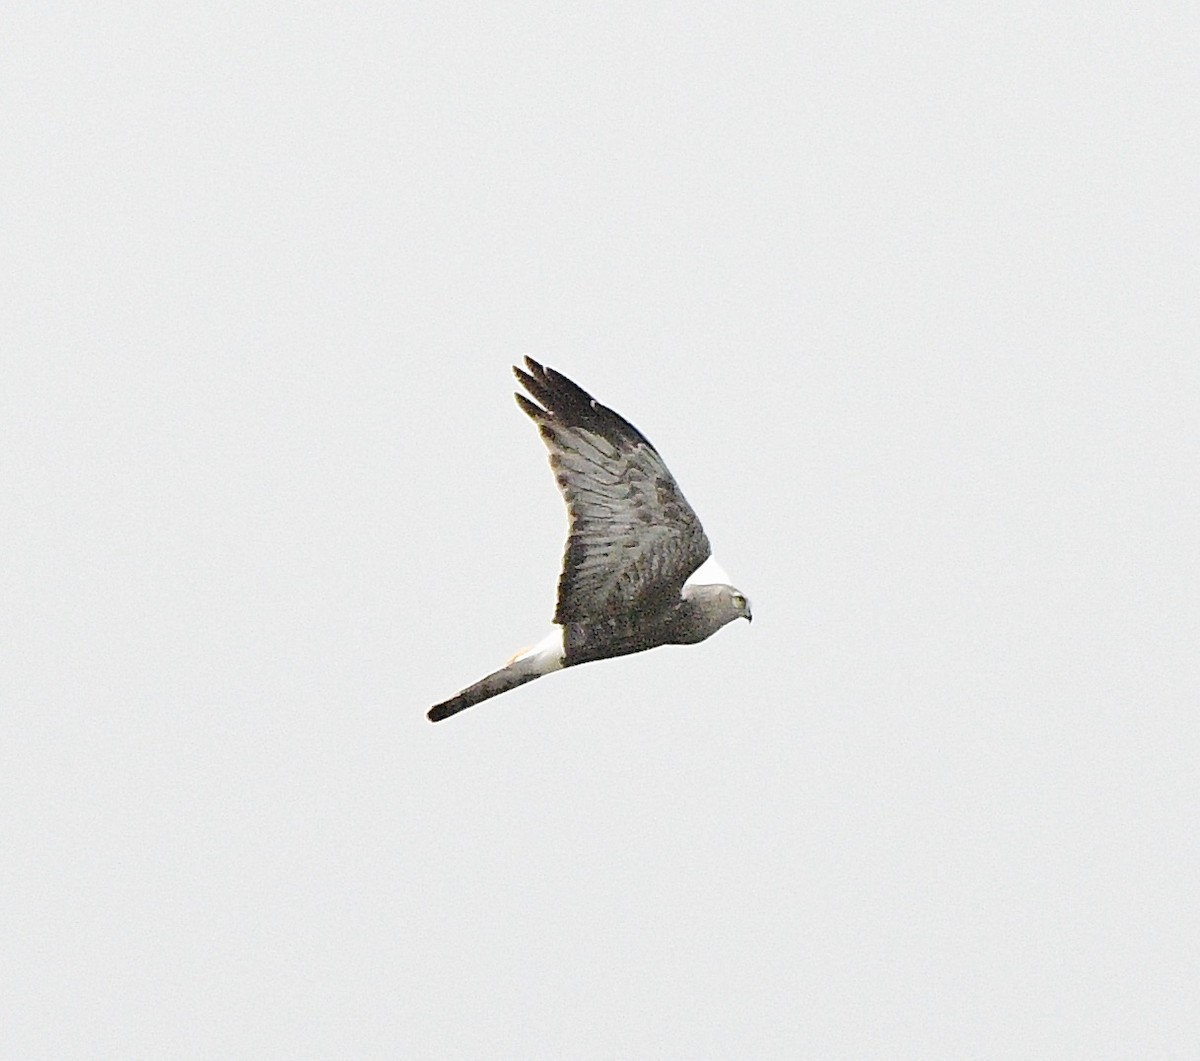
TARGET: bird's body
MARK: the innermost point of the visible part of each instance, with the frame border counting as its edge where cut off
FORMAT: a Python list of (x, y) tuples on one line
[(694, 614), (634, 542)]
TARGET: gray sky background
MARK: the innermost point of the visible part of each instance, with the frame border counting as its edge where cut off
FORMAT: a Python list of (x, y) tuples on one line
[(908, 299)]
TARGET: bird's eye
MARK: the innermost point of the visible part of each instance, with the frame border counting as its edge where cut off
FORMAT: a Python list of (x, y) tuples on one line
[(739, 600)]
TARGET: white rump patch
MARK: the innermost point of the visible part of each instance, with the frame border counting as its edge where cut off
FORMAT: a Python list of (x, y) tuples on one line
[(547, 654), (709, 573)]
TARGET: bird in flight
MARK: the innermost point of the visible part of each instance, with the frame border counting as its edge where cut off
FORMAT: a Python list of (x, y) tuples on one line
[(631, 577)]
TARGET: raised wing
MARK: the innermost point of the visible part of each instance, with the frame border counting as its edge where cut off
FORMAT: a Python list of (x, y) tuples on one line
[(633, 538)]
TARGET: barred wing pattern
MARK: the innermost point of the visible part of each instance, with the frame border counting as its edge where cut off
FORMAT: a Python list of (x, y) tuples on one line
[(634, 539)]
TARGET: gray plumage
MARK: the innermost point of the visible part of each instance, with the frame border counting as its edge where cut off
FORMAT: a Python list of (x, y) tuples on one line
[(633, 543)]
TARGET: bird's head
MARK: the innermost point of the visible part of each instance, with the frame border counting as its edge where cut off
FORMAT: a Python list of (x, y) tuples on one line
[(722, 603), (740, 603)]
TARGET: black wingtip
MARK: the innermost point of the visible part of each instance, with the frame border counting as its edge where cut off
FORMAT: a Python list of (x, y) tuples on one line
[(534, 412), (564, 401), (532, 372), (559, 396)]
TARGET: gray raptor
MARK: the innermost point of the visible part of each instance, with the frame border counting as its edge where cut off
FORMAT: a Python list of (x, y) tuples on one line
[(630, 579)]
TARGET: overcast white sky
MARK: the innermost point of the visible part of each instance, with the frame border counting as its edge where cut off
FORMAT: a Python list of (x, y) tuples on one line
[(907, 298)]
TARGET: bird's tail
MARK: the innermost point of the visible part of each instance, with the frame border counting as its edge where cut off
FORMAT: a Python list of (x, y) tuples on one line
[(541, 659)]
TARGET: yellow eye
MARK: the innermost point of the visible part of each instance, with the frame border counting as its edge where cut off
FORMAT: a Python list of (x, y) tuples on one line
[(739, 600)]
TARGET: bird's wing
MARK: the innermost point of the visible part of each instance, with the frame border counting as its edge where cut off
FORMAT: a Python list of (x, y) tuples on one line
[(633, 537)]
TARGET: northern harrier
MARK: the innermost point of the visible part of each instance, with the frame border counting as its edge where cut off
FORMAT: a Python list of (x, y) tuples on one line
[(633, 547)]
